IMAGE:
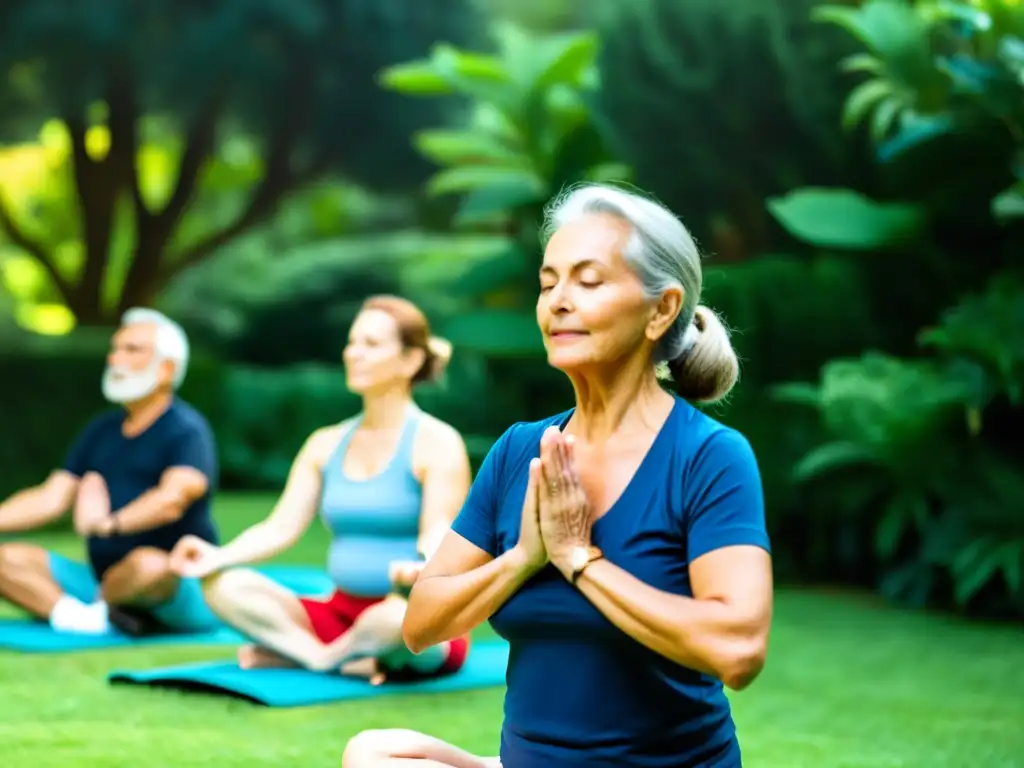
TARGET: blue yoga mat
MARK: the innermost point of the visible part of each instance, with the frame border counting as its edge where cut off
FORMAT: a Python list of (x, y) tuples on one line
[(484, 668), (30, 636)]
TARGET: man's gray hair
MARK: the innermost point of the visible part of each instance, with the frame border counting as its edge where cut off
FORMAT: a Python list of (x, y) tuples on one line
[(171, 341)]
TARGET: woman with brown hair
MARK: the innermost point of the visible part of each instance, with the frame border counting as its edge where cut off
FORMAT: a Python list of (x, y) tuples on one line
[(387, 483)]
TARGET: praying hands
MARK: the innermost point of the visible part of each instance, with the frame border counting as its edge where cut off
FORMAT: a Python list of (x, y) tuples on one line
[(564, 512)]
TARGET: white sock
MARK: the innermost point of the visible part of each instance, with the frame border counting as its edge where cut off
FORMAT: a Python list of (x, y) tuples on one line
[(72, 615)]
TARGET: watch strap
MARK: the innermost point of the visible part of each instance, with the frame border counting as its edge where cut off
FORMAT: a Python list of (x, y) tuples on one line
[(593, 555)]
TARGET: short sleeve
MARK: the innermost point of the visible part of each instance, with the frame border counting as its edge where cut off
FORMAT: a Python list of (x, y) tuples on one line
[(477, 520), (194, 447), (725, 499), (78, 460)]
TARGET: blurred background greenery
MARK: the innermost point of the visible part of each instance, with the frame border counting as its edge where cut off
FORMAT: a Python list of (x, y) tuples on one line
[(854, 171)]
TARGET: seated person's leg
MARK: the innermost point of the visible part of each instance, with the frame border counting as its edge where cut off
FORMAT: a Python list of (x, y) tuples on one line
[(377, 633), (49, 586), (399, 747), (264, 611), (143, 580)]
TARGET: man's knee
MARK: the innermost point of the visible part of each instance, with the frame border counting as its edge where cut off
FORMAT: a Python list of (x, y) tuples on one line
[(366, 748), (142, 571), (17, 558)]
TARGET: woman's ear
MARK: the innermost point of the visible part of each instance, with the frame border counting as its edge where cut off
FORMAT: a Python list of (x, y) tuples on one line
[(416, 358), (665, 313)]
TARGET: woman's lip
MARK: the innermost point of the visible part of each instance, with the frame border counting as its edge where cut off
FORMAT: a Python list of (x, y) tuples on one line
[(567, 335)]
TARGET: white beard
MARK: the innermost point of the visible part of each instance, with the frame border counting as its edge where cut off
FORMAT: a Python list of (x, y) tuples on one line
[(121, 386)]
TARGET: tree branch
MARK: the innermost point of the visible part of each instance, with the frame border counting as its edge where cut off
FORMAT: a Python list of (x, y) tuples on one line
[(278, 179), (96, 208), (154, 230), (36, 251), (262, 203), (123, 123)]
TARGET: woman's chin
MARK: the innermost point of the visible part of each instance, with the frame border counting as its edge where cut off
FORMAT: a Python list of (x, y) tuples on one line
[(568, 362), (356, 385)]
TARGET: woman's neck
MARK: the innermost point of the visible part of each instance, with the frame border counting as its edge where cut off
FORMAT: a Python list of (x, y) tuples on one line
[(386, 409), (626, 399)]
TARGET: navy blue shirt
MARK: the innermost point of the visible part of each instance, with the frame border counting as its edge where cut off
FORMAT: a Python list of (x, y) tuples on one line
[(131, 466), (580, 692)]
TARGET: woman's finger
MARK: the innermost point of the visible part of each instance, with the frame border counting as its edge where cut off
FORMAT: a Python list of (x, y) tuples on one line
[(564, 465), (570, 453), (549, 462), (533, 483)]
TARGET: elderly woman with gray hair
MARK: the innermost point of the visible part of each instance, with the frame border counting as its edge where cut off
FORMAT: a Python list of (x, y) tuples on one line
[(620, 547)]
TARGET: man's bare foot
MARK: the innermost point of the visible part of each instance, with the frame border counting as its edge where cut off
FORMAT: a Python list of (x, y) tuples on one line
[(257, 657)]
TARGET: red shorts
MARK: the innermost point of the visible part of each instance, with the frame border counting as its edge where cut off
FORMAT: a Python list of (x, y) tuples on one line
[(333, 617)]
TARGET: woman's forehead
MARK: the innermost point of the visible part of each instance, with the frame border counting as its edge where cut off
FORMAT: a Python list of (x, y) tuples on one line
[(598, 238), (374, 322)]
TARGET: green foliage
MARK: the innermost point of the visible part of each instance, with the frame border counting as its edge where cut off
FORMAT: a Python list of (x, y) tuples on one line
[(719, 105), (917, 470), (842, 218), (284, 91), (988, 330), (932, 57), (939, 73), (531, 134), (787, 314), (908, 452)]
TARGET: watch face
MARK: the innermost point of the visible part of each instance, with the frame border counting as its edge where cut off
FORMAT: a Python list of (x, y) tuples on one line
[(579, 557)]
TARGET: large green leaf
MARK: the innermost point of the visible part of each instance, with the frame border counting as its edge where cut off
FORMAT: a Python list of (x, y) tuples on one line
[(498, 200), (1009, 204), (568, 59), (843, 218), (450, 147), (495, 333), (832, 457), (506, 269), (415, 78), (479, 76), (471, 177)]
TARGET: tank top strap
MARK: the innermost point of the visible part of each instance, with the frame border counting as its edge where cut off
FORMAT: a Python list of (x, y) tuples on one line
[(407, 442), (332, 467)]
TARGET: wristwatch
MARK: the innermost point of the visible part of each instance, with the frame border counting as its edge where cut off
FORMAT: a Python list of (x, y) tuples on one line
[(580, 558)]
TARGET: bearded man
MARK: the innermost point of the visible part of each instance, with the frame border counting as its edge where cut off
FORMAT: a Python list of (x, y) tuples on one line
[(138, 478)]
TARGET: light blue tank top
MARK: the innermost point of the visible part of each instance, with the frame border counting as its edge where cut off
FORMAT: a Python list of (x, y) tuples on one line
[(372, 522)]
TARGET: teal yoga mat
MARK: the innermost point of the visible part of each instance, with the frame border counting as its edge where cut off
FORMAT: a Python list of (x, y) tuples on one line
[(484, 668), (29, 636)]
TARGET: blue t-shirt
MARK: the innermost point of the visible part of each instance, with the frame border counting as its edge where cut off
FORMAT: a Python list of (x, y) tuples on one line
[(580, 692), (131, 466)]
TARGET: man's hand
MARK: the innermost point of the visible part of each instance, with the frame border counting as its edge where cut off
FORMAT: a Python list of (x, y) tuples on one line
[(92, 507), (104, 528)]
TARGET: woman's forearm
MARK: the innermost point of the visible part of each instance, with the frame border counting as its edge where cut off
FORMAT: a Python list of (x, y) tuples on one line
[(445, 607), (260, 542), (709, 636)]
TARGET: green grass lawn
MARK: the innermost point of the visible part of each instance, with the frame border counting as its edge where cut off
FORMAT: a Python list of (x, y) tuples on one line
[(849, 683)]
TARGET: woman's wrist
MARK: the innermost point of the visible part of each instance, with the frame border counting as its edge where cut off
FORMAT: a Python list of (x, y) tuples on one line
[(520, 564)]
